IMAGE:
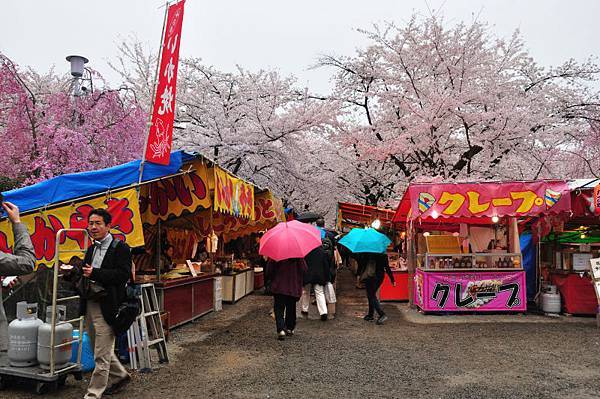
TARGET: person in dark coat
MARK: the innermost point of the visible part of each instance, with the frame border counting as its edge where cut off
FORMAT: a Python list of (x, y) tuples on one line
[(328, 233), (317, 276), (286, 279), (371, 269)]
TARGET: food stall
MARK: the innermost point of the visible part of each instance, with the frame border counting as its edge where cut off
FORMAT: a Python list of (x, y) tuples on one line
[(199, 213), (568, 243), (185, 291), (463, 241), (164, 211), (356, 215)]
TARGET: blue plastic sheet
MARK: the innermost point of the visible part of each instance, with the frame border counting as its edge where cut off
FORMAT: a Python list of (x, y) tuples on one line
[(528, 253), (77, 185)]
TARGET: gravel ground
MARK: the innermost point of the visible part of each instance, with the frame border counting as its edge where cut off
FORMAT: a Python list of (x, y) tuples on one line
[(234, 354)]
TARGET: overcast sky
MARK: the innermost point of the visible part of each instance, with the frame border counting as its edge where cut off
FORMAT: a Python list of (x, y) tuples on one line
[(275, 34)]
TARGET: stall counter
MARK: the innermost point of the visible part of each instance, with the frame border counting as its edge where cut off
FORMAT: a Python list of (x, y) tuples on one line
[(398, 293), (577, 293), (470, 290), (186, 298)]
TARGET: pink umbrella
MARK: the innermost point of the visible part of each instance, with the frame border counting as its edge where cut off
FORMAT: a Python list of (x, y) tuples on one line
[(289, 240)]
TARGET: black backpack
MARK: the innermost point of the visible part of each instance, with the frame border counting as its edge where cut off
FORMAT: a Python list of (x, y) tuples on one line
[(327, 244)]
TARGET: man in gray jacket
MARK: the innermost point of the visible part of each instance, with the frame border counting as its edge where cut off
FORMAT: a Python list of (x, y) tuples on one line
[(20, 262)]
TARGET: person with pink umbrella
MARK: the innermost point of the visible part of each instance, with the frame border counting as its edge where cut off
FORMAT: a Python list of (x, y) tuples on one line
[(286, 245)]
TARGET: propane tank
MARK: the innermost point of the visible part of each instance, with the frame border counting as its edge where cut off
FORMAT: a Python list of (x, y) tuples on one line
[(551, 303), (22, 336), (63, 332)]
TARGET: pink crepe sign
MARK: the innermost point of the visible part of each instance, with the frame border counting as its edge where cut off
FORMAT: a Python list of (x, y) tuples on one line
[(470, 291), (489, 199)]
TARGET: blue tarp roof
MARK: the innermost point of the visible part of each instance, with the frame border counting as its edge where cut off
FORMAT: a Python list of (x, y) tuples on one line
[(77, 185)]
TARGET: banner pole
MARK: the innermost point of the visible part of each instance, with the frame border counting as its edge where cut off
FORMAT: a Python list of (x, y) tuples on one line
[(149, 123)]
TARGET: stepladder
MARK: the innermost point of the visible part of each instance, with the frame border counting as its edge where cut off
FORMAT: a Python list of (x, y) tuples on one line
[(146, 333)]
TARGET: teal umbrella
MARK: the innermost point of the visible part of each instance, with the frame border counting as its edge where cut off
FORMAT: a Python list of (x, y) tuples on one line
[(365, 240)]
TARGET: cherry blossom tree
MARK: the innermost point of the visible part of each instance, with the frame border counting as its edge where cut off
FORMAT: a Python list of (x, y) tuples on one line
[(136, 65), (260, 126), (459, 103), (46, 131), (422, 101)]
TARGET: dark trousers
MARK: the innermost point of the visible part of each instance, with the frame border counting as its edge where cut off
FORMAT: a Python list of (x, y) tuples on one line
[(285, 311), (372, 285)]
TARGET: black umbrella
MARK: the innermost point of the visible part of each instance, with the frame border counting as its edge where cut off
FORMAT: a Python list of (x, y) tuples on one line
[(308, 217)]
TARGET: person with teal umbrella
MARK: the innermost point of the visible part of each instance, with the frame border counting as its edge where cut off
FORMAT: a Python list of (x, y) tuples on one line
[(369, 247), (365, 240)]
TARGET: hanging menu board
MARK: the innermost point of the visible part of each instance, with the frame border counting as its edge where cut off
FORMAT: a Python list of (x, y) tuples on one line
[(595, 265)]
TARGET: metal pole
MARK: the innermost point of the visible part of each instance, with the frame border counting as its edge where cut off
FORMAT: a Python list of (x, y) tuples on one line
[(412, 260), (55, 299), (81, 317), (158, 249)]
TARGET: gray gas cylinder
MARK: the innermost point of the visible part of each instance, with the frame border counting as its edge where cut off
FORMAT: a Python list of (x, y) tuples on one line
[(62, 333), (551, 302), (22, 336)]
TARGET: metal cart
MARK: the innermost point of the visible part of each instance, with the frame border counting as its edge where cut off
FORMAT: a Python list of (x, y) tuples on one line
[(53, 378)]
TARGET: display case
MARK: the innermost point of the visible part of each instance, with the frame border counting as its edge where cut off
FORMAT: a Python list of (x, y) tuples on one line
[(491, 260), (477, 282), (237, 284)]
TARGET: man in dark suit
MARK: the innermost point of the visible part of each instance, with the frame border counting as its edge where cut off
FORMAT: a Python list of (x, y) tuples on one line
[(102, 285)]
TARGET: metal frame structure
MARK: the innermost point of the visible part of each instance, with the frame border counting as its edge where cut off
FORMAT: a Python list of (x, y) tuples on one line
[(53, 377)]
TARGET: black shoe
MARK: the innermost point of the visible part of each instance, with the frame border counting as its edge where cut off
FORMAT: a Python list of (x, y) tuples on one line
[(381, 319), (305, 315), (368, 318), (117, 386), (281, 335), (289, 333), (324, 317)]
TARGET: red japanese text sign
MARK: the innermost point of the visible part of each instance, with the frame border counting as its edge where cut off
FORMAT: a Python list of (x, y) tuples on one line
[(489, 199), (158, 146)]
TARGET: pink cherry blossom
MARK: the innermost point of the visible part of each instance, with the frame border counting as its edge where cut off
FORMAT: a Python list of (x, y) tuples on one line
[(45, 131)]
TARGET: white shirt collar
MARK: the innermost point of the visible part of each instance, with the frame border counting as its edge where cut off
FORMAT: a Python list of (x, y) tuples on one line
[(105, 242)]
